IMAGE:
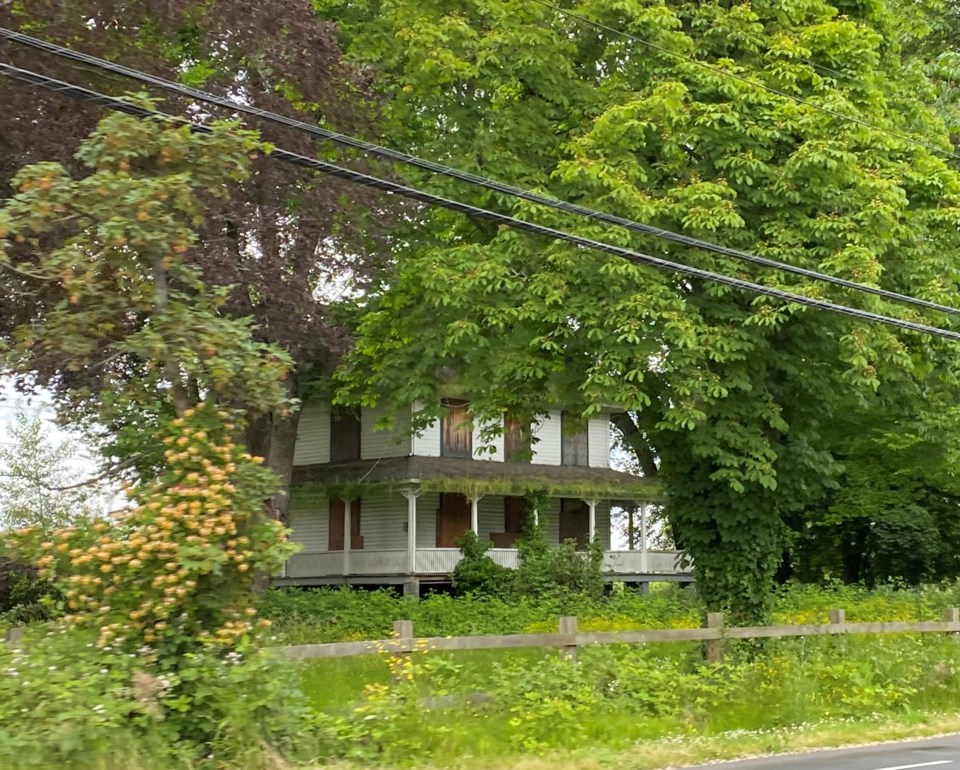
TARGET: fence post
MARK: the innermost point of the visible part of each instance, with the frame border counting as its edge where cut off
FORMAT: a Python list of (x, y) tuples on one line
[(838, 618), (952, 615), (715, 646), (403, 631), (568, 627)]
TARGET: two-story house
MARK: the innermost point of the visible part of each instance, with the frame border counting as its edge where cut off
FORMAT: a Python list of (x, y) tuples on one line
[(376, 507)]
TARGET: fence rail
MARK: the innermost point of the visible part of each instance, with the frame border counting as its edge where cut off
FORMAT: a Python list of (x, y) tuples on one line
[(569, 639)]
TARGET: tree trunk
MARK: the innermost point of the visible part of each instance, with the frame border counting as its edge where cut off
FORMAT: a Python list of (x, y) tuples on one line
[(274, 437)]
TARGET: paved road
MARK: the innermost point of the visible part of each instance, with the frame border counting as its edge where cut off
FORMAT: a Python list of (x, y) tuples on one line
[(935, 753)]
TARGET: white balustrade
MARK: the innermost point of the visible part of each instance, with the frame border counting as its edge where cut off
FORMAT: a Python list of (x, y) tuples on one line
[(441, 561)]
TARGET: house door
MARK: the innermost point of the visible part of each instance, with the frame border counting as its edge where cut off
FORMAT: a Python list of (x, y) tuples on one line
[(453, 518), (575, 521), (335, 532)]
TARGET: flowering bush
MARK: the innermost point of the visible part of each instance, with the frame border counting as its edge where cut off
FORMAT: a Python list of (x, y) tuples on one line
[(176, 571), (160, 637)]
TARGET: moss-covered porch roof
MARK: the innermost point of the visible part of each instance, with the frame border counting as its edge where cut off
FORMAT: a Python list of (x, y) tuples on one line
[(451, 474)]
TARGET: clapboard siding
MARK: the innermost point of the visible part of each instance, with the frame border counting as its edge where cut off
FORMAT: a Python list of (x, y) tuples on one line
[(481, 449), (383, 520), (427, 505), (375, 444), (546, 448), (490, 515), (313, 435), (427, 443), (309, 521), (599, 441)]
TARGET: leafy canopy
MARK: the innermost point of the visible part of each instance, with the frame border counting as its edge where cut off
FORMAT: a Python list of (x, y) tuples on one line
[(734, 388)]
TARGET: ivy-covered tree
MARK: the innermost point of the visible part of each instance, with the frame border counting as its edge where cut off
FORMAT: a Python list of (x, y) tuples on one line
[(669, 127)]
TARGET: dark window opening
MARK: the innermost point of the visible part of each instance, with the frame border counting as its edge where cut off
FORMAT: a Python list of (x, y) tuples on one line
[(456, 433), (344, 435), (575, 522), (574, 444)]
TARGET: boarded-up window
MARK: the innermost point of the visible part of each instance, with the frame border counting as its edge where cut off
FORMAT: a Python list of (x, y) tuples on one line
[(575, 521), (574, 445), (337, 516), (453, 518), (516, 441), (456, 435), (344, 435)]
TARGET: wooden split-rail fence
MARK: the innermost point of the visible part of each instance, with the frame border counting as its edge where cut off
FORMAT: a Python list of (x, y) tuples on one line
[(568, 638)]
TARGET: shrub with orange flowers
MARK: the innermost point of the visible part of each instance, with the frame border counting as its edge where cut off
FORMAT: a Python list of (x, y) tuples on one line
[(159, 640), (175, 571)]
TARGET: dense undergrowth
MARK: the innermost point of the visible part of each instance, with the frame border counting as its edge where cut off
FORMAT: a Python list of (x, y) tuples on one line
[(84, 707), (333, 615), (372, 709)]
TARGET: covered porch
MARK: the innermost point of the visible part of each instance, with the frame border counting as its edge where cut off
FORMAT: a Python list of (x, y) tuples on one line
[(396, 521)]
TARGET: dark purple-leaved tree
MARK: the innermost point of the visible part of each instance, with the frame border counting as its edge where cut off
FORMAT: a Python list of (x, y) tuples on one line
[(280, 241)]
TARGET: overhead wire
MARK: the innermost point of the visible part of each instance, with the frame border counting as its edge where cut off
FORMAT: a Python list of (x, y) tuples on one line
[(465, 176), (385, 185), (749, 81)]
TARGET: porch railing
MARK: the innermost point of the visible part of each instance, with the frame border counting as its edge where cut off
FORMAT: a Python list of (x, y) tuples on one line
[(441, 561)]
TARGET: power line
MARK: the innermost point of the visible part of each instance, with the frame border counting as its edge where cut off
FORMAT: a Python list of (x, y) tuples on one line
[(748, 81), (85, 94), (474, 179)]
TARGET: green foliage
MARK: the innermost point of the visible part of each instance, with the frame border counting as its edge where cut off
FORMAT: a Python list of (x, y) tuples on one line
[(894, 515), (613, 696), (476, 572), (24, 596), (66, 703), (736, 390), (344, 614), (387, 726), (115, 246)]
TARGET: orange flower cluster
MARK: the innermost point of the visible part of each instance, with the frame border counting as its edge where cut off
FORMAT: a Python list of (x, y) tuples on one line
[(178, 568)]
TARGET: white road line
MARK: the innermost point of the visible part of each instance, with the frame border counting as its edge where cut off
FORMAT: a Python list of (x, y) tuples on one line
[(922, 764)]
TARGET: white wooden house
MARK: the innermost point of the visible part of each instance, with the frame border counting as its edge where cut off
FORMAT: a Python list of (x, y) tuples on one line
[(373, 506)]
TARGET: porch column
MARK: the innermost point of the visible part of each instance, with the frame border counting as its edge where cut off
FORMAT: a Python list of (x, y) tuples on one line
[(347, 538), (644, 566), (592, 523), (630, 531), (475, 514), (411, 495)]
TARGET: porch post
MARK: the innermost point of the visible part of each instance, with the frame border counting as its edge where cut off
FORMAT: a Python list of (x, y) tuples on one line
[(630, 532), (592, 525), (475, 514), (644, 566), (347, 530), (411, 494)]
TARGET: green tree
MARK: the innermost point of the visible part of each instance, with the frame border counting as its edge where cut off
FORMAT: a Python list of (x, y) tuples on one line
[(113, 247), (894, 513), (40, 485), (734, 390)]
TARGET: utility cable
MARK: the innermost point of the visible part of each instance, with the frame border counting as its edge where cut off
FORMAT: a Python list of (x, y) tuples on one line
[(339, 172), (748, 81), (465, 176)]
